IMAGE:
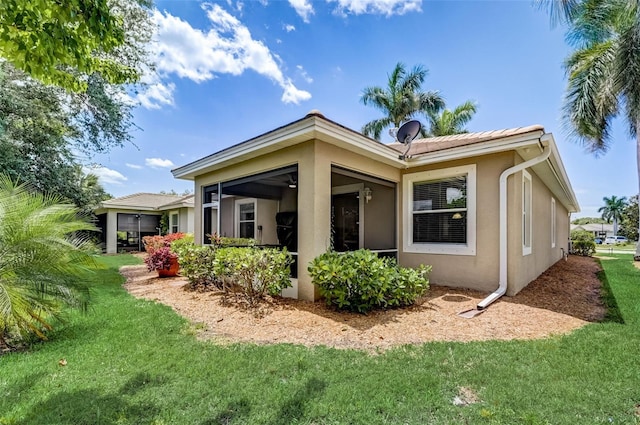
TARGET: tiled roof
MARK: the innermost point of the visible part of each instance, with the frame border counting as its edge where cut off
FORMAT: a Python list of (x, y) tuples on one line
[(148, 201), (434, 144)]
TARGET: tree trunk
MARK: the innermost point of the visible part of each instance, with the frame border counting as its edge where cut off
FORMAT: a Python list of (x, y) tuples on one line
[(637, 255)]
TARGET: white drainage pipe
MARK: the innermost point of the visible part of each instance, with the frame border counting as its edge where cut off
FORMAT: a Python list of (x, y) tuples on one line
[(502, 285)]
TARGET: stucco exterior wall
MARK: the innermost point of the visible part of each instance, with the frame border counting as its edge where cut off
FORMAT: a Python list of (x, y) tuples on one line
[(525, 268), (479, 271)]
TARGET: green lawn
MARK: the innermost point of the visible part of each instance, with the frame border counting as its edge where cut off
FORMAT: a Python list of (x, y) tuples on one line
[(131, 361), (631, 247)]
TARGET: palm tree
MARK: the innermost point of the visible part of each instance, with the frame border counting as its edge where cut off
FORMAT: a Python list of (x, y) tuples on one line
[(43, 261), (604, 71), (401, 100), (450, 122), (612, 209)]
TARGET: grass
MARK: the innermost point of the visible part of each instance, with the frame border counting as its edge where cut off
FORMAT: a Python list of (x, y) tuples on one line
[(630, 247), (132, 361)]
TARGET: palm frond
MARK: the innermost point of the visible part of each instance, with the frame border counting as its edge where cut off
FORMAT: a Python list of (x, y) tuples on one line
[(591, 101), (560, 11), (44, 260), (628, 73), (374, 128)]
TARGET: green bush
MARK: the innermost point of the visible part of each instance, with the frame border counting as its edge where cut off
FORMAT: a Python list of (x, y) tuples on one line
[(582, 243), (246, 272), (196, 263), (362, 281), (252, 273)]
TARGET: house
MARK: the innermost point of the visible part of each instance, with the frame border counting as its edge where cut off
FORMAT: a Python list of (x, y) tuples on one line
[(599, 230), (125, 221), (484, 209)]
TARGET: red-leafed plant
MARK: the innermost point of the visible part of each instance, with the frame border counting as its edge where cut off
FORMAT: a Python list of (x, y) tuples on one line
[(160, 259), (159, 253)]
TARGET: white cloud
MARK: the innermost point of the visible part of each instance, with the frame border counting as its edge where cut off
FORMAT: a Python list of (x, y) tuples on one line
[(304, 74), (226, 48), (288, 27), (156, 94), (158, 163), (303, 8), (134, 166), (105, 175), (377, 7), (293, 95)]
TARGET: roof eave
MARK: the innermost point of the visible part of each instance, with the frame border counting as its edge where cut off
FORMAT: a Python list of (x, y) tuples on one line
[(309, 128)]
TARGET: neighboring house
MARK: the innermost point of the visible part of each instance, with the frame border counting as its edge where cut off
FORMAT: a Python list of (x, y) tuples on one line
[(313, 182), (599, 230), (125, 221)]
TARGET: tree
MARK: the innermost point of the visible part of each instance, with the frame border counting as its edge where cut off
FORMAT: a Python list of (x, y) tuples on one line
[(629, 222), (59, 42), (612, 210), (401, 100), (38, 127), (449, 122), (604, 71), (589, 220), (43, 261)]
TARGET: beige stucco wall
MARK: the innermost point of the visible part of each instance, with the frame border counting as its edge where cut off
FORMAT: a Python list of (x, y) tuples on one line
[(525, 268), (479, 271), (185, 219), (266, 218)]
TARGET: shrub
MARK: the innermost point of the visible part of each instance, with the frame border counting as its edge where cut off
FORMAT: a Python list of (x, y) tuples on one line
[(362, 281), (252, 273), (582, 243), (160, 259), (196, 263), (159, 252), (151, 243)]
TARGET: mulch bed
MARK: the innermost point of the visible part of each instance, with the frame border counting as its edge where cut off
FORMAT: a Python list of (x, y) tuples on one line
[(562, 299)]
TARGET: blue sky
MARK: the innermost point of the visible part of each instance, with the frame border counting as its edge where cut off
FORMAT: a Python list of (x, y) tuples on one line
[(230, 70)]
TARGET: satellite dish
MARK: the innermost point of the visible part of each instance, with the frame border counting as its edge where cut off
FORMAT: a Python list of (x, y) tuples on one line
[(406, 133)]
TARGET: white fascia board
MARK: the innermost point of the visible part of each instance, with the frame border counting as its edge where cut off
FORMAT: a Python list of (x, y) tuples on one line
[(298, 132), (357, 143), (556, 169), (482, 148), (283, 137), (126, 207)]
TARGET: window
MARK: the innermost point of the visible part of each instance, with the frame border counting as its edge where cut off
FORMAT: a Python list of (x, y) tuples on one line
[(527, 219), (553, 223), (174, 222), (441, 211), (245, 218)]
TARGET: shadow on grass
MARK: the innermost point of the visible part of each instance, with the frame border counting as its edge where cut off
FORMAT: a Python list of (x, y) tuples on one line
[(90, 407), (613, 311), (293, 409), (235, 410)]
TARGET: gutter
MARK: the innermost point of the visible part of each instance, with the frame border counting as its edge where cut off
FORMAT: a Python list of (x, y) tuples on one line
[(502, 285)]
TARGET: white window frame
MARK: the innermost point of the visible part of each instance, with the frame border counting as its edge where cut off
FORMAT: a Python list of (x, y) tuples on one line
[(527, 213), (408, 180), (177, 222), (245, 201), (553, 222)]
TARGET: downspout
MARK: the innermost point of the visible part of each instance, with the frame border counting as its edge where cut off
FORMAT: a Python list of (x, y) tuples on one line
[(502, 286)]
